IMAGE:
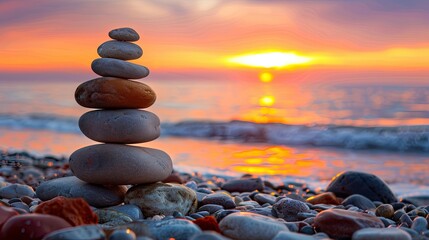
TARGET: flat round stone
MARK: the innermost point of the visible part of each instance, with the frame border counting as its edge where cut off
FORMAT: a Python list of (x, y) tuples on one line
[(245, 225), (119, 164), (120, 126), (111, 67), (119, 50), (113, 93), (124, 34), (339, 223), (72, 187)]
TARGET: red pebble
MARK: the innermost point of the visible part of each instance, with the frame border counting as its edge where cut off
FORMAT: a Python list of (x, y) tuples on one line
[(31, 226), (341, 224), (5, 214), (208, 223), (324, 198), (76, 211)]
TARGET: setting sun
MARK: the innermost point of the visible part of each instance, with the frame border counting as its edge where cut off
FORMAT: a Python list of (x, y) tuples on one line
[(266, 77), (270, 59)]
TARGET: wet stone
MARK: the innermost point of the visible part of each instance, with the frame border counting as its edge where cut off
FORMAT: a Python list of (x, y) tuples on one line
[(27, 226), (179, 229), (222, 199), (111, 218), (384, 210), (358, 201), (244, 185), (288, 209), (87, 232), (74, 210), (192, 185), (406, 219), (122, 234), (208, 235), (211, 208), (72, 187), (338, 223), (419, 224), (162, 198), (351, 182), (397, 205), (265, 211), (244, 225), (324, 198), (263, 198), (195, 216), (307, 230), (131, 210), (292, 236), (398, 214), (5, 214), (221, 214), (387, 222), (16, 191), (20, 205), (381, 234)]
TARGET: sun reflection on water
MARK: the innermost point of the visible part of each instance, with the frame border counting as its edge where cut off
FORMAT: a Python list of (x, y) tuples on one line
[(266, 77)]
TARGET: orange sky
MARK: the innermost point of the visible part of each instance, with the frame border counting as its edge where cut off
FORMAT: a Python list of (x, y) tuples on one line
[(57, 36)]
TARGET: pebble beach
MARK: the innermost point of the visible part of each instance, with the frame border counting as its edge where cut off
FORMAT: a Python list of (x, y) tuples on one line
[(355, 205), (116, 191)]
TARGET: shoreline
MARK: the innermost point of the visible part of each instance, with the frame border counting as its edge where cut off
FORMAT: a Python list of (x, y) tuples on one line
[(48, 161), (215, 206)]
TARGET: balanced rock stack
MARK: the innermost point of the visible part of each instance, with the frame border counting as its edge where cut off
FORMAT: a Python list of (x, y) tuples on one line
[(119, 122), (102, 170)]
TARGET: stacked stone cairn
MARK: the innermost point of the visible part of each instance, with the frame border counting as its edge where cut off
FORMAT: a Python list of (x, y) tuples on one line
[(119, 121), (103, 172)]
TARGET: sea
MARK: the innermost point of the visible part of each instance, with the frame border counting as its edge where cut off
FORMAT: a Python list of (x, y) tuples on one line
[(281, 131)]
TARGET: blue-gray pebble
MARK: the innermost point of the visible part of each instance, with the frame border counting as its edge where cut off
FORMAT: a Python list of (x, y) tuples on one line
[(123, 234)]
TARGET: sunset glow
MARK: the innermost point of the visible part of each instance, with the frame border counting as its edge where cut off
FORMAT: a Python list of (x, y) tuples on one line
[(269, 60), (178, 37), (266, 77)]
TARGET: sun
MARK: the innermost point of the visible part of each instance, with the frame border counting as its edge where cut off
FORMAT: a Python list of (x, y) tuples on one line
[(269, 59), (266, 77)]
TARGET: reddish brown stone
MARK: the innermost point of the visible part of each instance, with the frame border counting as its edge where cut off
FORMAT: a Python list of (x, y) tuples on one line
[(338, 223), (5, 214), (31, 226), (114, 93), (324, 198), (208, 223), (75, 211)]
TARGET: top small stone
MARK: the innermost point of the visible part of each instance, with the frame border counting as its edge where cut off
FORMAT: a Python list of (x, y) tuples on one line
[(124, 34)]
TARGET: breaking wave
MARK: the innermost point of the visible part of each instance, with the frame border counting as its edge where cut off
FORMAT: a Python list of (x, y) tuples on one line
[(403, 138)]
